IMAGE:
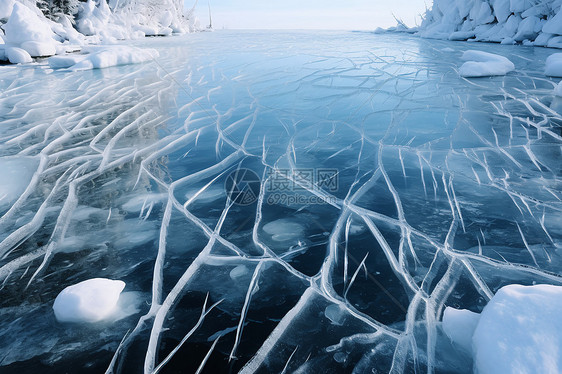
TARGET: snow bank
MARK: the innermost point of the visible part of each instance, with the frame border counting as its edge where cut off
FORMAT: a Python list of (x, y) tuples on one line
[(25, 27), (483, 64), (503, 21), (519, 331), (89, 301), (103, 57)]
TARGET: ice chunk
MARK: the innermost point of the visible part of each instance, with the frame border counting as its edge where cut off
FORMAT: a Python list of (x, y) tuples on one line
[(553, 67), (89, 301), (520, 331), (18, 56), (459, 326), (483, 64)]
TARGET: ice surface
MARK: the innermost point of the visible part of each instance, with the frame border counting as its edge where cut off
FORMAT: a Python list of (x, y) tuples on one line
[(484, 64), (447, 190), (89, 301)]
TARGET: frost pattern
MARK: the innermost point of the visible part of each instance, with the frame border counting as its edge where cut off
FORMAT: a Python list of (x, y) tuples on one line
[(448, 189)]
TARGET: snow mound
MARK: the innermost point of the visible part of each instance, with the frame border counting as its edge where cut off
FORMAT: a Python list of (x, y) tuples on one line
[(89, 301), (519, 331), (27, 31), (553, 67), (483, 64), (103, 57)]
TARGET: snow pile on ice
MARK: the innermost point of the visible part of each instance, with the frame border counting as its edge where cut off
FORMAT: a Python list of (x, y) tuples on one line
[(553, 67), (519, 331), (89, 301), (483, 64), (103, 57), (505, 21)]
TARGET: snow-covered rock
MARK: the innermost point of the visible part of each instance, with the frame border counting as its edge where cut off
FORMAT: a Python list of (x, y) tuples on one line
[(553, 66), (92, 300), (17, 55), (519, 331), (483, 64)]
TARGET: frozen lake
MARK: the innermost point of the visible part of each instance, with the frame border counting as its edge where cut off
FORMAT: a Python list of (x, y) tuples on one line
[(274, 201)]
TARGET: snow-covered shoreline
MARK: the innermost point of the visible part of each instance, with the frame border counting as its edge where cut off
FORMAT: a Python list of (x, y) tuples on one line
[(527, 22), (26, 33)]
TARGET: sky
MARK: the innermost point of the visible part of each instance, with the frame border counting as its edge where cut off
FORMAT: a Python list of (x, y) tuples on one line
[(309, 14)]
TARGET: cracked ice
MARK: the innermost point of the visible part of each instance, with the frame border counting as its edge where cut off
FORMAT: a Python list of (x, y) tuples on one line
[(448, 189)]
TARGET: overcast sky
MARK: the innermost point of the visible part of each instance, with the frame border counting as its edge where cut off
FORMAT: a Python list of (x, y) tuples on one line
[(308, 14)]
